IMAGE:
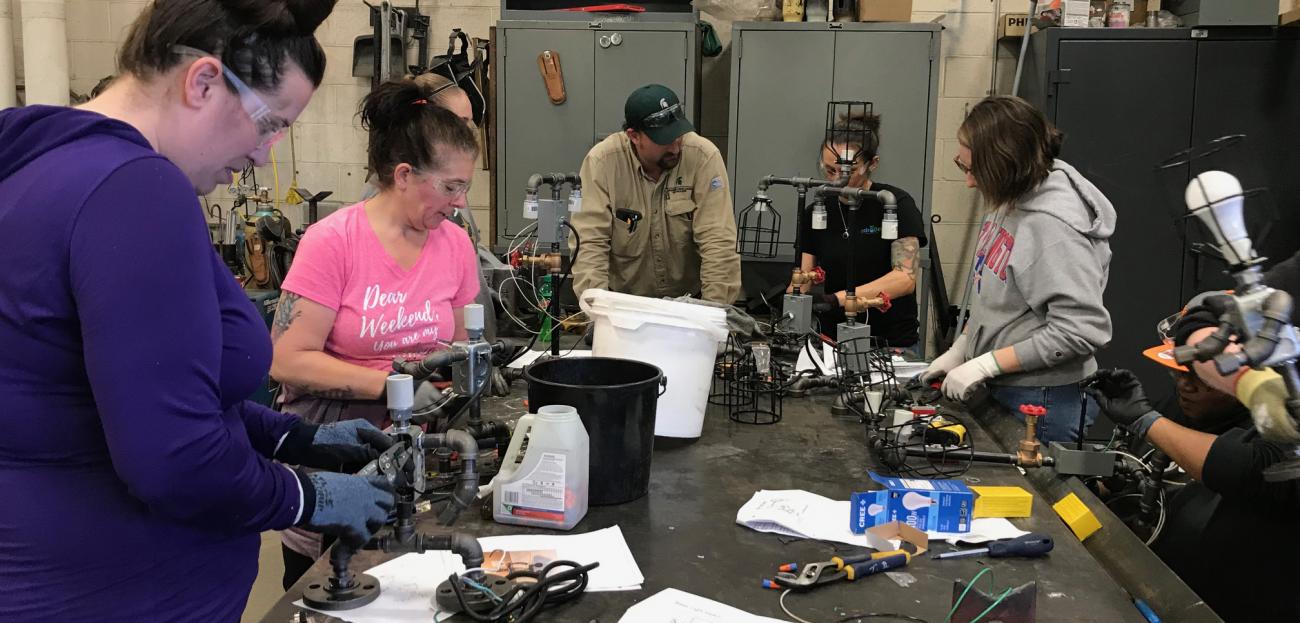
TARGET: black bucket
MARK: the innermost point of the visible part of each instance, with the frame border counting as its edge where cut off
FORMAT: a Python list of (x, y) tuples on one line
[(616, 400)]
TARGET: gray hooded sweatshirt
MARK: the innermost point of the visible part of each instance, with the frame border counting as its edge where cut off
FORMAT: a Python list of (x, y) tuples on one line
[(1040, 271)]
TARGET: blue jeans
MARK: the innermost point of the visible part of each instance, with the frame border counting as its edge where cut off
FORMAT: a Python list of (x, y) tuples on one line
[(1062, 403)]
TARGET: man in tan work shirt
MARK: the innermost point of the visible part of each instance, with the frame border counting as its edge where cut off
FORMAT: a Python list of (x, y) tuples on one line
[(656, 218)]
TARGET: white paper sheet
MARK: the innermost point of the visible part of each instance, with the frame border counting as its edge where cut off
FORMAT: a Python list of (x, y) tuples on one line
[(982, 530), (408, 584), (673, 606), (804, 515), (534, 355), (410, 581), (618, 570)]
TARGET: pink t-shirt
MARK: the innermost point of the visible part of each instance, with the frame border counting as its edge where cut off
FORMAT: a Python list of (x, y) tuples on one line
[(384, 312)]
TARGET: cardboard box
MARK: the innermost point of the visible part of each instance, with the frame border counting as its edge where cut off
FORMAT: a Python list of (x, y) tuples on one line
[(1002, 502), (884, 10), (928, 505), (1290, 18), (1074, 13), (1076, 515), (904, 533), (1013, 25)]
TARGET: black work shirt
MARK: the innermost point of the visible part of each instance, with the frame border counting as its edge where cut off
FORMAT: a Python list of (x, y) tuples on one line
[(1229, 537), (871, 260)]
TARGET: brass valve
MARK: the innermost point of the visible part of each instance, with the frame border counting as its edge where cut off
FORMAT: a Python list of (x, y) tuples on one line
[(854, 305), (799, 278), (551, 262), (1030, 453)]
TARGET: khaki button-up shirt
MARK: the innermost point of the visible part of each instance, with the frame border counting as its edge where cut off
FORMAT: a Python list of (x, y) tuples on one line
[(685, 242)]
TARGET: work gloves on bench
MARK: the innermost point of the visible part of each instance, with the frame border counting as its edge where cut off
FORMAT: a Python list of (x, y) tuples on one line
[(341, 447), (352, 508), (1120, 396)]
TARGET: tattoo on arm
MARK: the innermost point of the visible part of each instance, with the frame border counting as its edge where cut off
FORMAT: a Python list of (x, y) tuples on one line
[(285, 314), (903, 253), (328, 393)]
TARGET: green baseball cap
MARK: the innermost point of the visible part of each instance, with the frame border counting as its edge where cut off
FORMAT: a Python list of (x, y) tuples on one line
[(655, 110)]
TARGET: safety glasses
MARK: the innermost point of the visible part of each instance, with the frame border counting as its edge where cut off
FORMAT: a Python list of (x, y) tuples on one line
[(965, 170), (664, 118), (270, 129)]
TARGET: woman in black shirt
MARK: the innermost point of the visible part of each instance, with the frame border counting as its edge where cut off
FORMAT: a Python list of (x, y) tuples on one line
[(879, 265)]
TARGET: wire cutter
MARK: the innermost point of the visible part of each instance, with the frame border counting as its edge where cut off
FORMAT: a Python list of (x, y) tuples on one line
[(798, 577)]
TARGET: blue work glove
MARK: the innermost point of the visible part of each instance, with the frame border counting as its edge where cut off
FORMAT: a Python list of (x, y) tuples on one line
[(352, 508), (343, 446), (1119, 394)]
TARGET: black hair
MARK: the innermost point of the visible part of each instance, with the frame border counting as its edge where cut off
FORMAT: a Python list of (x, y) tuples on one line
[(405, 126), (863, 128), (254, 38)]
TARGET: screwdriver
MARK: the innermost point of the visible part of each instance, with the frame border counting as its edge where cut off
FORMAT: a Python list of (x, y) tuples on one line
[(1029, 545)]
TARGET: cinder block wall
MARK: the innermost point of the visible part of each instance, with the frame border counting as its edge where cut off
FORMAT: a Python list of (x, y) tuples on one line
[(330, 147)]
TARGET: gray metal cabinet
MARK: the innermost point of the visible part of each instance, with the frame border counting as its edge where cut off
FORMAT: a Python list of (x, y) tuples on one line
[(602, 63), (782, 76)]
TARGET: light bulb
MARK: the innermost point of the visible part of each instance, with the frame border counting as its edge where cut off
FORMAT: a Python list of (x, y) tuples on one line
[(530, 206), (575, 200), (1216, 198), (914, 501), (819, 216)]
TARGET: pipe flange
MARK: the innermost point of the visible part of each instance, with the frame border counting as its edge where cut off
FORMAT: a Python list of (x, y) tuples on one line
[(445, 599), (327, 596)]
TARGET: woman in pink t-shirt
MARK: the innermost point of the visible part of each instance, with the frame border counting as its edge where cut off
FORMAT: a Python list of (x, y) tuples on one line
[(384, 279)]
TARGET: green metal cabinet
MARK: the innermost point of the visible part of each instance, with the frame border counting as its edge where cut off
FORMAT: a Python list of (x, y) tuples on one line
[(602, 63)]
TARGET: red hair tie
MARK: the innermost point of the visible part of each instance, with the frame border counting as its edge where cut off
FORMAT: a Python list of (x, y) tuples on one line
[(420, 102)]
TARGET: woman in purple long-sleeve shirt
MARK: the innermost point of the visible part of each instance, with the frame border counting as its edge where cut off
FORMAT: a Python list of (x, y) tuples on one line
[(134, 477)]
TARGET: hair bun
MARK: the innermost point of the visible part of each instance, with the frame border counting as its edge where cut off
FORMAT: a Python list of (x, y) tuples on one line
[(282, 17)]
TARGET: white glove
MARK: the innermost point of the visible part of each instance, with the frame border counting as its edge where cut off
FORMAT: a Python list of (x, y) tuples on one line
[(963, 379), (950, 359)]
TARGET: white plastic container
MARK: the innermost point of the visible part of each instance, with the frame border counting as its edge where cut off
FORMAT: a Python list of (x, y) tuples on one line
[(543, 477), (680, 338)]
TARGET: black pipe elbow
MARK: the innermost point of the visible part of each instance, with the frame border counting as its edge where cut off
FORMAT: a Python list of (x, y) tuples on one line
[(467, 487)]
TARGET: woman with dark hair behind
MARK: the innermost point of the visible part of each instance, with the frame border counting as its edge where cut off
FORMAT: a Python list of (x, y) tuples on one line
[(383, 279), (879, 265), (136, 475), (1040, 269)]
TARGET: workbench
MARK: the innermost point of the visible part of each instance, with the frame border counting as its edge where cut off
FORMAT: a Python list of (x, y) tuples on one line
[(684, 535)]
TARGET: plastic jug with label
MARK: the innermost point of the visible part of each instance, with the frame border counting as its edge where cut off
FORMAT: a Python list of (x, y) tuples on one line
[(544, 474)]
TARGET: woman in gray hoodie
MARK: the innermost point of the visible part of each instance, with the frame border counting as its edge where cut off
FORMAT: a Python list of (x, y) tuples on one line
[(1039, 271)]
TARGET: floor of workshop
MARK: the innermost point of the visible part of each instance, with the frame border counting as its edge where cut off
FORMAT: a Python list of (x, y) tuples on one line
[(267, 589)]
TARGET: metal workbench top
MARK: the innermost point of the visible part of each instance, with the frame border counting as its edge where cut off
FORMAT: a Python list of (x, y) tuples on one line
[(684, 535)]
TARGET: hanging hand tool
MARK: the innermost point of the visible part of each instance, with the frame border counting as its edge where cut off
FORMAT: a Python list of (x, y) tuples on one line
[(838, 568), (1030, 545)]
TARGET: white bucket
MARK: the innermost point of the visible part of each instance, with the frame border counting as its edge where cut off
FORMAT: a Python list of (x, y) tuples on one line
[(680, 338)]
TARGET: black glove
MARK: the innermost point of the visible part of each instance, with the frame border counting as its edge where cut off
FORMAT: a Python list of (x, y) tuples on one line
[(352, 508), (1119, 394), (343, 446)]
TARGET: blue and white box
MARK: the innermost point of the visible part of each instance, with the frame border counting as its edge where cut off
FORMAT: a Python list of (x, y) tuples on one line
[(929, 505)]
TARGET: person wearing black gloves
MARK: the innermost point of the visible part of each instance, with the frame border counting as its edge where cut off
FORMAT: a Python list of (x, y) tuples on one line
[(879, 265), (355, 508), (1212, 440)]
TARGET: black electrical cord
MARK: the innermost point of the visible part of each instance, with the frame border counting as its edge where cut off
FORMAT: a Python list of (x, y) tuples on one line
[(520, 605)]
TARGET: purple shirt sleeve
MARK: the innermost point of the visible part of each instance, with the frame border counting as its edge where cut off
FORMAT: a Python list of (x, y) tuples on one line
[(266, 427), (142, 278)]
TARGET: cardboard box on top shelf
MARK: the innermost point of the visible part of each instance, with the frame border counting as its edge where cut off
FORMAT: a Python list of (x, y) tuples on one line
[(1013, 25), (884, 10)]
